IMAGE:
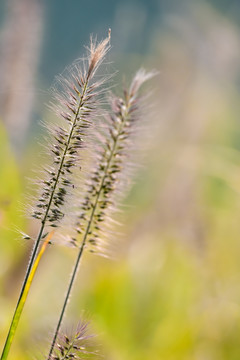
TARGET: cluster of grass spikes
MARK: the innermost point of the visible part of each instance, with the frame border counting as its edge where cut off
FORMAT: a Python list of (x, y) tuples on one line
[(104, 126)]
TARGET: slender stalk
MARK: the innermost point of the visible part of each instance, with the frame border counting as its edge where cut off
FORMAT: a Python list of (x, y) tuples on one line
[(77, 264), (66, 299), (22, 299)]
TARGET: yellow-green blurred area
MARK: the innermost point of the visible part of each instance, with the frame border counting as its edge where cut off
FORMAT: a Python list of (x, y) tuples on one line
[(173, 291)]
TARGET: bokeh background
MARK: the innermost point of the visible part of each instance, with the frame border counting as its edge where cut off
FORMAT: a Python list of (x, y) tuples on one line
[(173, 292)]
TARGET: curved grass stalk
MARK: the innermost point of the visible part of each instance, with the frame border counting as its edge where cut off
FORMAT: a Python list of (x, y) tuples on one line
[(22, 299)]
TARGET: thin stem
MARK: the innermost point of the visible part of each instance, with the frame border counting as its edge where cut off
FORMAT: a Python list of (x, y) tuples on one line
[(66, 299), (22, 299), (16, 318), (77, 264)]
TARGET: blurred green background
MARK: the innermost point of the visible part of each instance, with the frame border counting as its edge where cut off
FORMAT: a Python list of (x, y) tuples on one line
[(173, 291)]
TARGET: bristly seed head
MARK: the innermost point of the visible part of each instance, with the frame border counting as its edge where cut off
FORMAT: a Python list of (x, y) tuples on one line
[(98, 203), (78, 102), (97, 53), (75, 346)]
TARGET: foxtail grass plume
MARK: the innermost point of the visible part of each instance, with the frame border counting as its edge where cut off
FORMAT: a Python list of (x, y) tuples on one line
[(77, 104), (75, 346), (107, 176), (112, 169)]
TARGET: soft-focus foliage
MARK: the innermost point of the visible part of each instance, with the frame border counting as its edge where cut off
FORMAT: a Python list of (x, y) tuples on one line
[(174, 290)]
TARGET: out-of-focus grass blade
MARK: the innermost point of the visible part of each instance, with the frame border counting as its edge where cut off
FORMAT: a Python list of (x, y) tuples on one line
[(22, 300)]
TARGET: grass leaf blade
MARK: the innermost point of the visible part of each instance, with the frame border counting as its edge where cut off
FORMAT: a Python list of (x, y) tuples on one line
[(22, 299)]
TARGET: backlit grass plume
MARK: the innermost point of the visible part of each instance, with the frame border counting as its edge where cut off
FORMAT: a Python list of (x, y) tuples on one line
[(76, 104), (112, 158), (75, 346), (112, 169)]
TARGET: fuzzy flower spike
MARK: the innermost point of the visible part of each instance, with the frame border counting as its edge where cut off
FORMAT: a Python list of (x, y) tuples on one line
[(75, 346), (78, 102), (107, 175), (113, 166)]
